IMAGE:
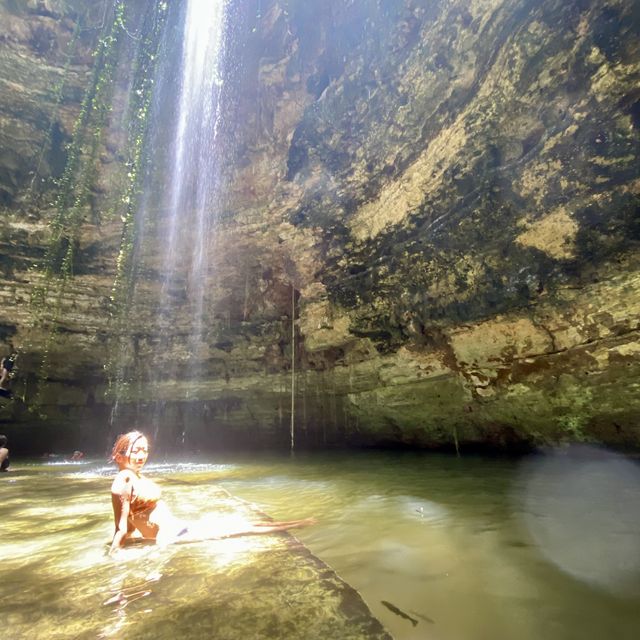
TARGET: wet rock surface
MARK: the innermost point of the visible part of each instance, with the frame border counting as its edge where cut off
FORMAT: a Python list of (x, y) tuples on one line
[(448, 193)]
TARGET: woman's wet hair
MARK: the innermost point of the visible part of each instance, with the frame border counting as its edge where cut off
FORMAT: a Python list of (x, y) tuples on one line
[(124, 442), (3, 441)]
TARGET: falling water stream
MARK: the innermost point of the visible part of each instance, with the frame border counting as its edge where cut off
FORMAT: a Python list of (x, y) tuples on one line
[(194, 176), (180, 202)]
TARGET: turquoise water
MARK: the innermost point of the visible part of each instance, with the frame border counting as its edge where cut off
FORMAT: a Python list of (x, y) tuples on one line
[(462, 549)]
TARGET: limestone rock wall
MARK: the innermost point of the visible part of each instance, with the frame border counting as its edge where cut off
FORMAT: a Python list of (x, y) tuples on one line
[(447, 196)]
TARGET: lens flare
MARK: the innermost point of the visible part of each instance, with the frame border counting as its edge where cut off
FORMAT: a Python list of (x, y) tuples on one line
[(582, 508)]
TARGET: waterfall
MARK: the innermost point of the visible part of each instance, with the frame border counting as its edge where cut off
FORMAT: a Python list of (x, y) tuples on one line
[(176, 221), (186, 160), (193, 164)]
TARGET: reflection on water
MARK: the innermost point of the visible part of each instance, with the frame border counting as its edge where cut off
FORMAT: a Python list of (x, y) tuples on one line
[(438, 547)]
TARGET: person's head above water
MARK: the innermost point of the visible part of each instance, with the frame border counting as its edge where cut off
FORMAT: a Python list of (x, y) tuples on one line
[(131, 451), (3, 441)]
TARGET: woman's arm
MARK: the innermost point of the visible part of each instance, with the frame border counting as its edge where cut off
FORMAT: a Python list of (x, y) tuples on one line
[(120, 501)]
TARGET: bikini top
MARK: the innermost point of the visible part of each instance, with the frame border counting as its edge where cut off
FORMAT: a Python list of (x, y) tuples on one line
[(145, 494)]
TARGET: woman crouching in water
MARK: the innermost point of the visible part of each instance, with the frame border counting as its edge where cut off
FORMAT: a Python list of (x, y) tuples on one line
[(138, 510)]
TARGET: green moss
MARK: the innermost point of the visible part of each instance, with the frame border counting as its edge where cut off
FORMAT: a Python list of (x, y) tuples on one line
[(73, 191), (136, 164), (573, 426), (77, 182)]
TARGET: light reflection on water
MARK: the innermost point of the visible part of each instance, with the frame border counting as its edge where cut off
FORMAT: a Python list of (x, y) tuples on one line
[(441, 539)]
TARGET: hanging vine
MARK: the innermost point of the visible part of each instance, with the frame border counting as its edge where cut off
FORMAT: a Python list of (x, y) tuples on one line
[(56, 99), (76, 185), (74, 188), (136, 165)]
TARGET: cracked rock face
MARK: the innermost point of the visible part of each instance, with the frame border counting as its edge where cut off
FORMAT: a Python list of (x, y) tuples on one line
[(447, 192)]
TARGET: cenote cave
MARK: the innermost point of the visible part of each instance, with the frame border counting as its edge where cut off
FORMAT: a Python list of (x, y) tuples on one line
[(372, 264)]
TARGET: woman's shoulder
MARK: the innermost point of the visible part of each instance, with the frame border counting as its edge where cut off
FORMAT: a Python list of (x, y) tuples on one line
[(123, 481)]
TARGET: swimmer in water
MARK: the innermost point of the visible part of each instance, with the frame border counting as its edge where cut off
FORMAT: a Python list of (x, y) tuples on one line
[(4, 454), (138, 510)]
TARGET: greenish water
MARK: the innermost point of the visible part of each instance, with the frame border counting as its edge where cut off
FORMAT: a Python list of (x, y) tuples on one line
[(467, 548)]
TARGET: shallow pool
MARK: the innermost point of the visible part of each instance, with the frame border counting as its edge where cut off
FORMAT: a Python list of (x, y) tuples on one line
[(439, 547)]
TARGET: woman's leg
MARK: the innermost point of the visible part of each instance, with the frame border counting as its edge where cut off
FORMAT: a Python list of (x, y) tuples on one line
[(259, 528), (169, 528), (286, 524)]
